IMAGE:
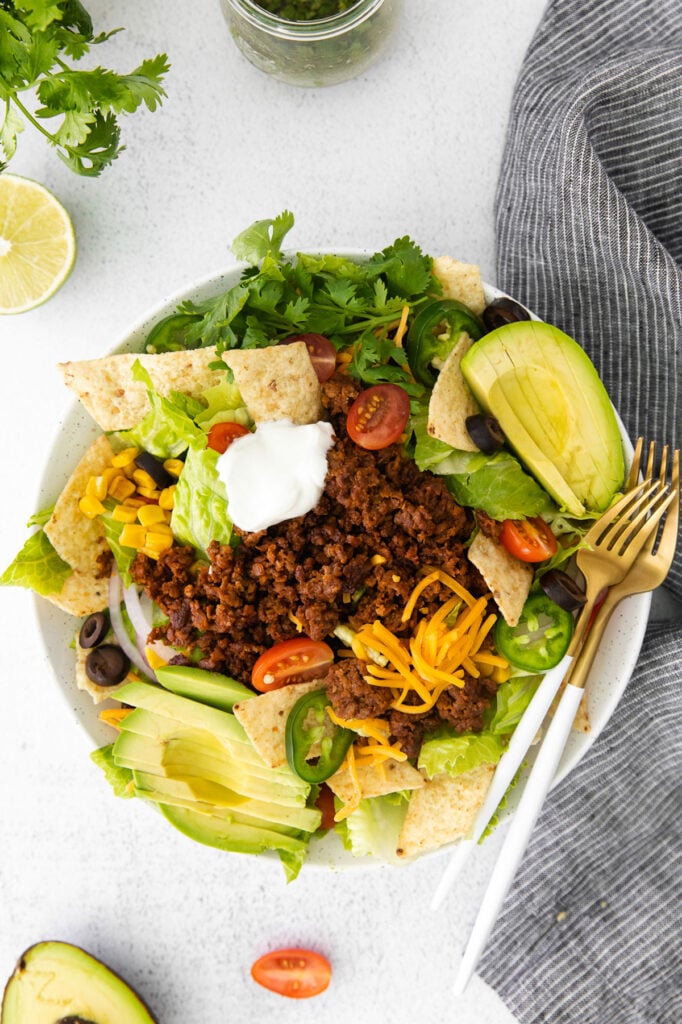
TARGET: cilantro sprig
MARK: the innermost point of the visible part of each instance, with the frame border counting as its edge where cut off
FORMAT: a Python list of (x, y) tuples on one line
[(349, 301), (77, 109)]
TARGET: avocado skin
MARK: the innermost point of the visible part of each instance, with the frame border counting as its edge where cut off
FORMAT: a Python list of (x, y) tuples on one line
[(553, 409), (200, 684), (81, 989)]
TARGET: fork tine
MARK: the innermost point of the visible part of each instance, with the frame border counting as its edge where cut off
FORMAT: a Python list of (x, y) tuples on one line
[(644, 524), (633, 475), (612, 519)]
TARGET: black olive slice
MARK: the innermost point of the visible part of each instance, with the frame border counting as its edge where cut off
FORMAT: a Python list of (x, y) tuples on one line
[(93, 630), (563, 590), (150, 464), (107, 665), (503, 311), (485, 432)]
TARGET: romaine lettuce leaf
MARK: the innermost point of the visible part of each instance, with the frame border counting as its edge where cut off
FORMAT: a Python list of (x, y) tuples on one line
[(200, 510), (511, 700), (373, 828), (455, 753), (495, 483), (168, 428), (37, 567), (120, 779)]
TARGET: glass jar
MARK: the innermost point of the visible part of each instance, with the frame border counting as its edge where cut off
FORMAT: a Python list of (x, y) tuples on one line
[(322, 51)]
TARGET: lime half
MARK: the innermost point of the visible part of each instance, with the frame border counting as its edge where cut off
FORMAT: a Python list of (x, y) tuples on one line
[(37, 244)]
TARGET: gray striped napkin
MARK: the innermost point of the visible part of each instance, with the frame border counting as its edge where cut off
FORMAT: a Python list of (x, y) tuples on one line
[(589, 231)]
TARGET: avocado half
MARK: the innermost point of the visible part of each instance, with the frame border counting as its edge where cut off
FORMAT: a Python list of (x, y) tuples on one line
[(554, 410), (58, 983)]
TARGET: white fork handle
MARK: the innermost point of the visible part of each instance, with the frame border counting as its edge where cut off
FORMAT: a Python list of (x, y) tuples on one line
[(534, 792), (508, 766)]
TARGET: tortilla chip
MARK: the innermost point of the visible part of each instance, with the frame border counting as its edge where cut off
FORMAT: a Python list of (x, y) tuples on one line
[(277, 383), (461, 281), (117, 402), (443, 810), (376, 780), (75, 538), (452, 401), (508, 579), (82, 594), (264, 719)]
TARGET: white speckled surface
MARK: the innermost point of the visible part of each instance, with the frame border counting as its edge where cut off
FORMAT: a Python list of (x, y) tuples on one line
[(413, 146)]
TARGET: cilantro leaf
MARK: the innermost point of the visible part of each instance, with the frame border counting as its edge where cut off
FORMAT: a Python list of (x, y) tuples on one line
[(263, 238), (37, 37)]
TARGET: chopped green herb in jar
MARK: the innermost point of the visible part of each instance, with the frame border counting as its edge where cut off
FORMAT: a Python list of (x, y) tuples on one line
[(305, 10)]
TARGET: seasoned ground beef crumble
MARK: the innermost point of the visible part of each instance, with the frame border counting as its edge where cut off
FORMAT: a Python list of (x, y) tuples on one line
[(354, 558)]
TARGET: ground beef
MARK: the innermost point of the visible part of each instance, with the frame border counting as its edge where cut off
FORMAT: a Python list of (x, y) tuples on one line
[(354, 558), (351, 695)]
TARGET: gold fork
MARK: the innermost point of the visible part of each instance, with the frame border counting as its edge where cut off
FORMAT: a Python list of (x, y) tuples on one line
[(617, 540), (650, 567)]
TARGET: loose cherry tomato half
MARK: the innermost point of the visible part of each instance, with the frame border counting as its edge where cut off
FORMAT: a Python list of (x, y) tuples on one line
[(296, 973), (321, 351), (378, 416), (529, 540), (291, 661), (325, 803), (221, 435)]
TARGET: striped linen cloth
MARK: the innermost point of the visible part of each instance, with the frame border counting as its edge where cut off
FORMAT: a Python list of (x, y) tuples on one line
[(589, 235)]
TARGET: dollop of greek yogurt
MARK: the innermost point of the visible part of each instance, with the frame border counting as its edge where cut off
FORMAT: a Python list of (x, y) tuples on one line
[(276, 473)]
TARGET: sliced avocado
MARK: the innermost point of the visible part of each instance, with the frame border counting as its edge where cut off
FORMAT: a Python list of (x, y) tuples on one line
[(198, 756), (229, 832), (554, 410), (144, 725), (56, 981), (199, 793), (208, 687)]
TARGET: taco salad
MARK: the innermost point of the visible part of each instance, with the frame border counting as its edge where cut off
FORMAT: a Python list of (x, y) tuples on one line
[(320, 553)]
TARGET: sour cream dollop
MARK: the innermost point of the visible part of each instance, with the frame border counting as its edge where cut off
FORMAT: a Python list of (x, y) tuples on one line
[(276, 473)]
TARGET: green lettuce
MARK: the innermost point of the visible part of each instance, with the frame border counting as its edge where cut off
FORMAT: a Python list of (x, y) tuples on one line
[(495, 483), (120, 779), (373, 828), (455, 753), (200, 509), (511, 700), (37, 566), (168, 428)]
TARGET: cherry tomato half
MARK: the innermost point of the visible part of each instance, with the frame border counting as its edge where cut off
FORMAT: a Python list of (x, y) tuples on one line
[(291, 661), (296, 973), (221, 435), (378, 416), (529, 540), (321, 351), (325, 804)]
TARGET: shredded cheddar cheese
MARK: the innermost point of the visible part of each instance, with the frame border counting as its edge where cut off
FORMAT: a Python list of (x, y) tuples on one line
[(439, 654), (402, 327)]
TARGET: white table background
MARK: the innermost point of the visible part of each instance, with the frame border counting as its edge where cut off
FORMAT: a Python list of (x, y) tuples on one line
[(411, 147)]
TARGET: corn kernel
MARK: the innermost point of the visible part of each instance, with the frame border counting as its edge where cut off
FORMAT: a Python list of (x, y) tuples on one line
[(124, 514), (91, 506), (149, 552), (96, 487), (133, 502), (158, 541), (133, 535), (148, 515), (501, 675), (377, 560), (121, 488), (125, 458), (149, 492), (143, 479), (167, 497), (174, 467)]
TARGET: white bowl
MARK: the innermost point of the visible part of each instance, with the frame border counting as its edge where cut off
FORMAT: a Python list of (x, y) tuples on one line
[(612, 668)]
